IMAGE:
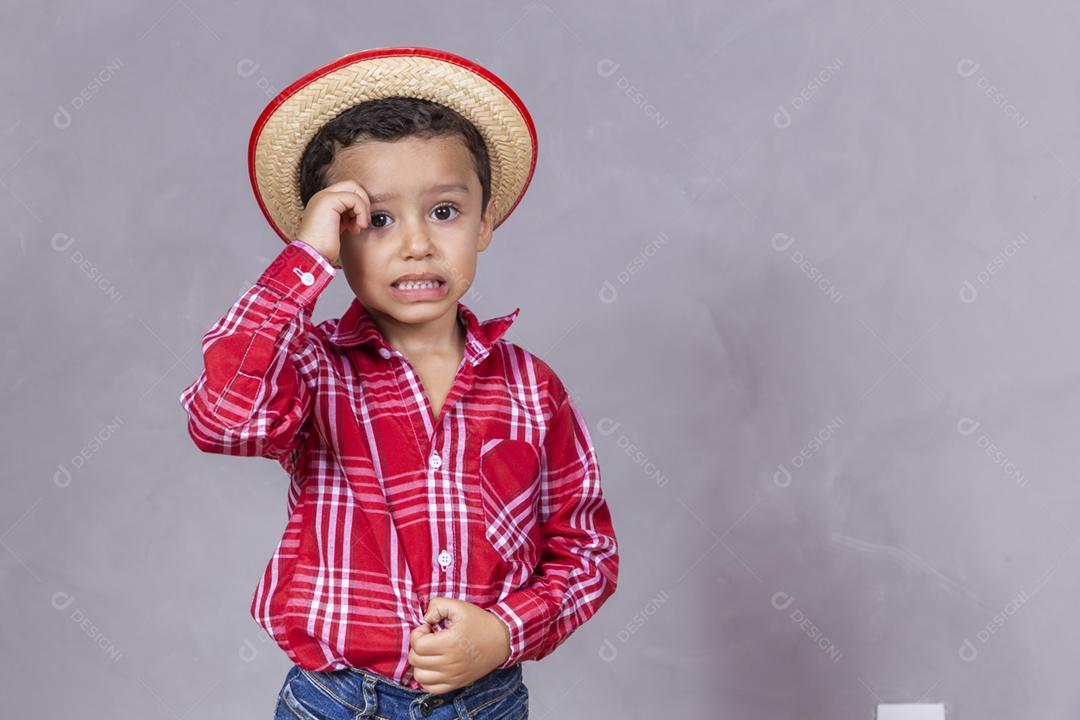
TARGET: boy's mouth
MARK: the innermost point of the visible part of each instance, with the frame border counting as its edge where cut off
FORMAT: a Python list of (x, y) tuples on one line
[(417, 281), (419, 286)]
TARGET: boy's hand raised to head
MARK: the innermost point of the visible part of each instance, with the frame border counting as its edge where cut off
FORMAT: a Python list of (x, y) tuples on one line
[(330, 213), (474, 643)]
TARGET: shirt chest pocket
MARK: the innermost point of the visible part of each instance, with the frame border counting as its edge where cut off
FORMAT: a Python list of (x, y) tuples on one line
[(509, 472)]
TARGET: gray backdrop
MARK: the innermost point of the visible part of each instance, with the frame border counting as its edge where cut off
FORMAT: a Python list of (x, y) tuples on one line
[(809, 269)]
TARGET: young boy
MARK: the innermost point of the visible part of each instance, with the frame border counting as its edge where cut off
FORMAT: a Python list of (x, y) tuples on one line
[(445, 515)]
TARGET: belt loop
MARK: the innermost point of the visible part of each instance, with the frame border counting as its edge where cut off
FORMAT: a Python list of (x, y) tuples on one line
[(461, 707), (371, 698)]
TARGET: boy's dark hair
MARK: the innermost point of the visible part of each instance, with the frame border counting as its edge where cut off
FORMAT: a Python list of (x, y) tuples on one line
[(389, 119)]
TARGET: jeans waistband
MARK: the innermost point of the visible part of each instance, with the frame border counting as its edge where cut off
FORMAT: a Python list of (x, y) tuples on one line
[(360, 690)]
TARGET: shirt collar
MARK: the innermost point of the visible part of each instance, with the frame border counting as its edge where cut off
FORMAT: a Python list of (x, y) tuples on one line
[(356, 327)]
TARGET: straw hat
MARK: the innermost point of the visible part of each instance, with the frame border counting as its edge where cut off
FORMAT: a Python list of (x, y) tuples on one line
[(291, 120)]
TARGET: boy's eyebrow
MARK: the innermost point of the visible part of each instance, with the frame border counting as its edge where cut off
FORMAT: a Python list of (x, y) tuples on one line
[(445, 187)]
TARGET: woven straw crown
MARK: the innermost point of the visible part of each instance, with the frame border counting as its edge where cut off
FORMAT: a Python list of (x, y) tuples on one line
[(292, 119)]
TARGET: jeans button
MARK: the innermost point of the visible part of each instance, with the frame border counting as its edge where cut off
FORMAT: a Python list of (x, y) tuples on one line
[(425, 707)]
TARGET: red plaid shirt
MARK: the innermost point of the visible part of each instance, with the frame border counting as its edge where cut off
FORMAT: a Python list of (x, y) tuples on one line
[(496, 502)]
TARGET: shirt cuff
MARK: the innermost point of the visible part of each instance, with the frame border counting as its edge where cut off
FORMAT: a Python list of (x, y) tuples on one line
[(299, 271), (527, 615)]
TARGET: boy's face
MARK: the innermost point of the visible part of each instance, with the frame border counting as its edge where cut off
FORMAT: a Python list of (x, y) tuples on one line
[(425, 218)]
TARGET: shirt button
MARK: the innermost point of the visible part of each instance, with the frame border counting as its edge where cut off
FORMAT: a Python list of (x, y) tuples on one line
[(307, 278), (435, 461), (445, 558), (384, 353)]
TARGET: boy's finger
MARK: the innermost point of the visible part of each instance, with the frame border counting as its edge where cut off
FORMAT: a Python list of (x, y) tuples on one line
[(356, 204), (361, 208), (351, 211), (349, 186), (428, 645)]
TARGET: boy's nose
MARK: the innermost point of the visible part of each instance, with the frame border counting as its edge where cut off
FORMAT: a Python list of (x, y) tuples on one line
[(417, 241)]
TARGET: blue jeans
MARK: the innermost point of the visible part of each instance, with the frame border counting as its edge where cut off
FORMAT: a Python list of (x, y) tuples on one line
[(352, 694)]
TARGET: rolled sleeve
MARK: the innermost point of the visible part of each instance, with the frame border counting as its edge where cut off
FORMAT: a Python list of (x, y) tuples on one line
[(527, 614)]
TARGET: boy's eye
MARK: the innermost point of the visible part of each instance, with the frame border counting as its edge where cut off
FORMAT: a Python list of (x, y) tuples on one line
[(443, 209), (446, 211)]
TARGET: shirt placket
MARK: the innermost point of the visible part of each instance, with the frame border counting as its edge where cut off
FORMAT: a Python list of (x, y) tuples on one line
[(445, 457)]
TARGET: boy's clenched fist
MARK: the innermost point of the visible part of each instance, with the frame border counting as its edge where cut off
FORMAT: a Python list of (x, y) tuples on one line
[(474, 643)]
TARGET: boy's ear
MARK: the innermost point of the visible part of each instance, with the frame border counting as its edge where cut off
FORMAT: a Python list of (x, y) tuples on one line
[(486, 229)]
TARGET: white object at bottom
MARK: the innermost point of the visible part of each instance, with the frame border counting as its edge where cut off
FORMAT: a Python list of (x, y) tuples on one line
[(911, 711)]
